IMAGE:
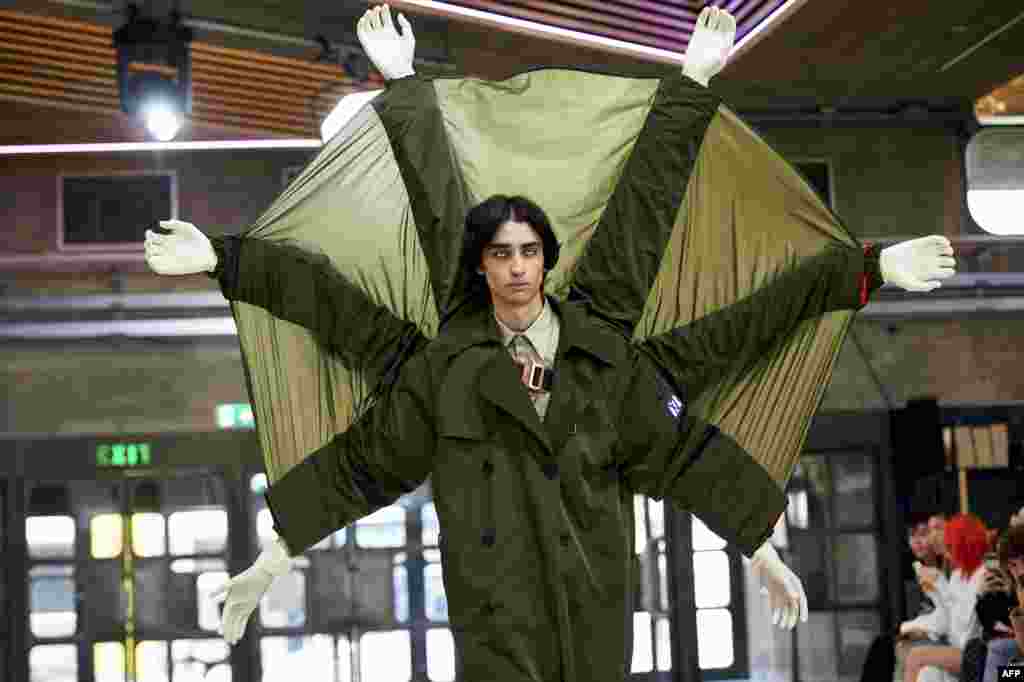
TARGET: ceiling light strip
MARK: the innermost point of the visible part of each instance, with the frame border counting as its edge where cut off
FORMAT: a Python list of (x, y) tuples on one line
[(535, 28), (130, 147)]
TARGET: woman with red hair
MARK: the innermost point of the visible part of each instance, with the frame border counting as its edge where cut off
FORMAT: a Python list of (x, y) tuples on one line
[(954, 617)]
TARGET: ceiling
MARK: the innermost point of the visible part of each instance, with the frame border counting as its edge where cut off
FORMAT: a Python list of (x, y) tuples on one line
[(255, 71)]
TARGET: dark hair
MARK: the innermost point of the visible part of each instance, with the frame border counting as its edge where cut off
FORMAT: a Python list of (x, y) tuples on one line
[(1011, 544), (484, 219)]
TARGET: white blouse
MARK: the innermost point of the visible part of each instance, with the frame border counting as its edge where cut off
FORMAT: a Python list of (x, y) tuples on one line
[(954, 615)]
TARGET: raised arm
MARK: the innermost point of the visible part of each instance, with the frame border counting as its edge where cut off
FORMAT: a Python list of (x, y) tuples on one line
[(616, 271), (414, 125)]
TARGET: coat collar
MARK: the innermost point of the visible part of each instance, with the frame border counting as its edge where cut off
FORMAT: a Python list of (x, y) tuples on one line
[(476, 326)]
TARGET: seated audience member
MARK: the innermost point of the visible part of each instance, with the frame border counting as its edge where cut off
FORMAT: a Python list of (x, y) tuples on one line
[(880, 662), (966, 541), (1001, 594)]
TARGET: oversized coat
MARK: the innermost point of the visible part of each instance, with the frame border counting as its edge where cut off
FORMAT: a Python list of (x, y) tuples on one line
[(536, 517)]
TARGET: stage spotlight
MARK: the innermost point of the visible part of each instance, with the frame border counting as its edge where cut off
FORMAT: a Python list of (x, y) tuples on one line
[(154, 72)]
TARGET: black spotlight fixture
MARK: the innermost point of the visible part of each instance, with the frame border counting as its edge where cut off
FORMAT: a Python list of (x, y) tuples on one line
[(154, 71)]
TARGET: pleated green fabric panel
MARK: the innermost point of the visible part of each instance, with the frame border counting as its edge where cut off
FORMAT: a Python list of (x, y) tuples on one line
[(748, 215), (348, 204), (559, 137)]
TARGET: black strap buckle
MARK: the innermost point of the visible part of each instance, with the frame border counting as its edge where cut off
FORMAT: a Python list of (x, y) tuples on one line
[(535, 376)]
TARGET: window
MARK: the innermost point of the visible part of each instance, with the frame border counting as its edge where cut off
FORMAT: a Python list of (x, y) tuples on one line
[(833, 537), (652, 646), (113, 211), (378, 594)]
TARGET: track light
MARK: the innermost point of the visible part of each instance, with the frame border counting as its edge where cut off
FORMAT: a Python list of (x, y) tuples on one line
[(154, 72)]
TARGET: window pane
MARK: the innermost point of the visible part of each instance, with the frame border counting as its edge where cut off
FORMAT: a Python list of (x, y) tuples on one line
[(703, 537), (714, 639), (643, 659), (401, 585), (284, 604), (663, 635), (344, 660), (656, 515), (857, 629), (436, 606), (208, 612), (105, 536), (108, 661), (383, 528), (149, 534), (195, 659), (282, 657), (431, 527), (809, 489), (151, 662), (440, 655), (855, 493), (264, 527), (662, 577), (816, 647), (53, 663), (810, 559), (200, 531), (50, 537), (711, 579), (385, 656), (639, 524), (52, 601), (856, 559)]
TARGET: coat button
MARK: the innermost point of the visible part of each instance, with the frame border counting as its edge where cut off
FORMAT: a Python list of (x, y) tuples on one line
[(551, 470), (492, 606), (488, 467), (488, 537), (564, 537)]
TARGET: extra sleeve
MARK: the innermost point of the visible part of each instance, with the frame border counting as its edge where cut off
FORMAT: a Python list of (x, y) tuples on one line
[(303, 288), (386, 453), (738, 335), (668, 453)]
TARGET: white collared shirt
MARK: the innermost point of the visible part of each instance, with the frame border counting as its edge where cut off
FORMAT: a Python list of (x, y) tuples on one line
[(538, 342)]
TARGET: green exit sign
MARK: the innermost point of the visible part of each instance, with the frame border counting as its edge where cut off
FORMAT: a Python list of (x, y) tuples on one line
[(123, 455), (235, 416)]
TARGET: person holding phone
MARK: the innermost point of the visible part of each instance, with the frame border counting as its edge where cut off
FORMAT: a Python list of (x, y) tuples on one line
[(999, 603)]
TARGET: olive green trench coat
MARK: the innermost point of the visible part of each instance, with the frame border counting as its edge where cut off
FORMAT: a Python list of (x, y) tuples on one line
[(536, 517)]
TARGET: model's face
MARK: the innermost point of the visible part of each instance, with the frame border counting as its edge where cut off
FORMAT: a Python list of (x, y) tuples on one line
[(513, 264)]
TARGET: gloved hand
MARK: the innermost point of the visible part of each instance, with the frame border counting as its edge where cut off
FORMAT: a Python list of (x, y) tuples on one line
[(918, 264), (184, 252), (244, 591), (712, 40), (390, 52), (785, 591)]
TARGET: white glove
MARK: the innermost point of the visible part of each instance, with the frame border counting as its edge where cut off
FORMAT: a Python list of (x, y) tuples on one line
[(785, 591), (184, 252), (390, 52), (244, 591), (713, 36), (918, 264)]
